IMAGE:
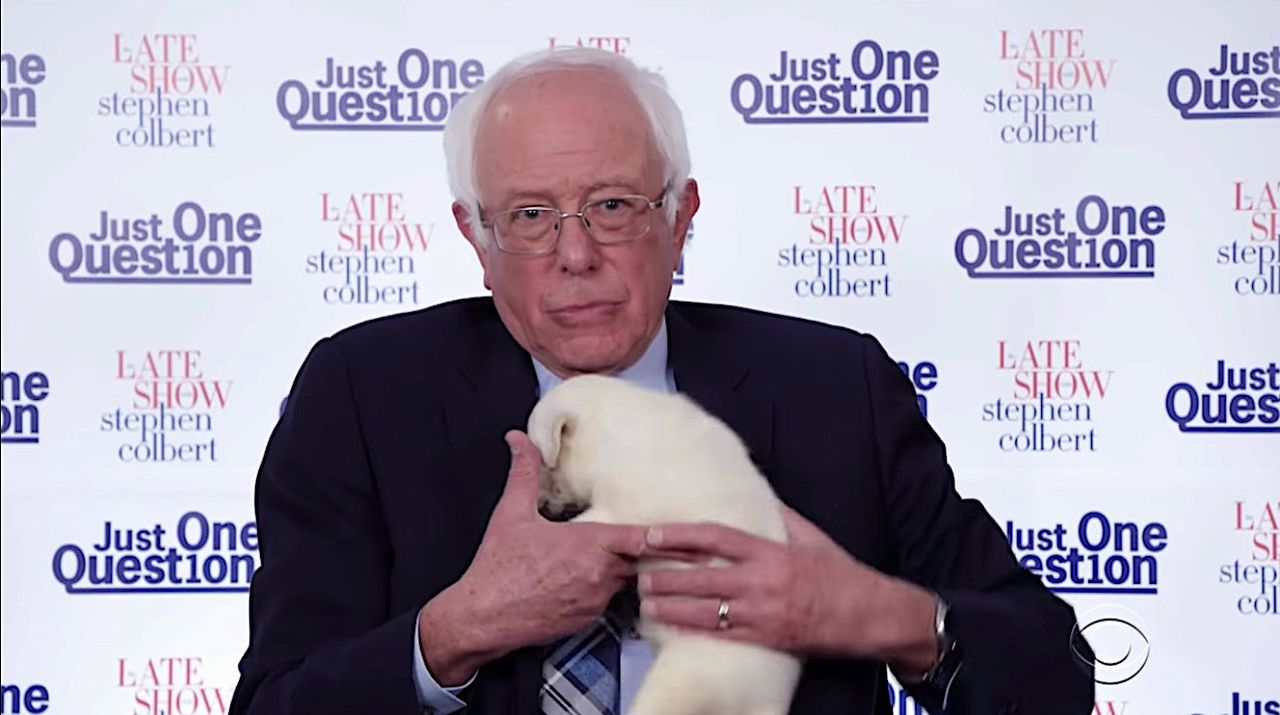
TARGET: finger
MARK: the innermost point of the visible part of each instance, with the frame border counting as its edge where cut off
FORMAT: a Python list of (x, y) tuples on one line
[(625, 540), (691, 612), (707, 538), (519, 442), (623, 570), (687, 557), (631, 541), (704, 582), (520, 496)]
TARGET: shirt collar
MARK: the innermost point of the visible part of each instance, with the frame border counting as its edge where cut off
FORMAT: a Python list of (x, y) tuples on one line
[(649, 371)]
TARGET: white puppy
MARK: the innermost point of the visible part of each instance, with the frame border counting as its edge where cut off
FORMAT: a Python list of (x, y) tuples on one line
[(635, 456)]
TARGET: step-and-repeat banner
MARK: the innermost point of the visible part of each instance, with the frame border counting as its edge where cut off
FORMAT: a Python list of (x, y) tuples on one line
[(1060, 217)]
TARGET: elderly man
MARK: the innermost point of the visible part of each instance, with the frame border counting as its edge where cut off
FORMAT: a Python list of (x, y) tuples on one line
[(405, 568)]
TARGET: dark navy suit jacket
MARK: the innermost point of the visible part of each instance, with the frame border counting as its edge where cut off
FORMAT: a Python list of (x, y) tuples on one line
[(380, 477)]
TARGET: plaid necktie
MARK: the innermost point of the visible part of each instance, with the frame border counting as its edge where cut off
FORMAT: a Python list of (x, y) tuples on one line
[(580, 674)]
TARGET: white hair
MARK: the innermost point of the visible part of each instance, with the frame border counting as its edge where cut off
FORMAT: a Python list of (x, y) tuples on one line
[(650, 89)]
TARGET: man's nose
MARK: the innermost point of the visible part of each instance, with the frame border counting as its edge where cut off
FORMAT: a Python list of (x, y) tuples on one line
[(576, 252)]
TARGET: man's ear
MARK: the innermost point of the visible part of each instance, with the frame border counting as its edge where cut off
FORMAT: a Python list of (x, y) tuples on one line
[(462, 217), (689, 203)]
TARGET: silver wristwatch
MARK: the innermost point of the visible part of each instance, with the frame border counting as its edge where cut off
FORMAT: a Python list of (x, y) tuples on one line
[(950, 654)]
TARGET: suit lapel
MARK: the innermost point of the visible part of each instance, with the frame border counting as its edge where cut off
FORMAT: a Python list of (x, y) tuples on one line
[(493, 391), (715, 374)]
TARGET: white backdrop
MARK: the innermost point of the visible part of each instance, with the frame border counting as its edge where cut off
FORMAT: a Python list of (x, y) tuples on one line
[(906, 160)]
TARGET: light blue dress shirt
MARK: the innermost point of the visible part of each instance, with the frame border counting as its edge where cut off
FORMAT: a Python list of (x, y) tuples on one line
[(652, 371)]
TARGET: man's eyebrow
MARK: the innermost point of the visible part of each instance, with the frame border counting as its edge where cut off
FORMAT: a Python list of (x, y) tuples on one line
[(613, 183), (525, 198)]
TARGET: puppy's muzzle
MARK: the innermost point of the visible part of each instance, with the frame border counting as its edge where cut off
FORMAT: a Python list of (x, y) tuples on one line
[(555, 510)]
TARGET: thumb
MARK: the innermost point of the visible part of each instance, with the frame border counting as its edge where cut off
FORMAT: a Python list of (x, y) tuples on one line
[(520, 497)]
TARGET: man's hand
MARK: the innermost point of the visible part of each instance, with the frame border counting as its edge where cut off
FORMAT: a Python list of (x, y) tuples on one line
[(531, 580), (808, 596)]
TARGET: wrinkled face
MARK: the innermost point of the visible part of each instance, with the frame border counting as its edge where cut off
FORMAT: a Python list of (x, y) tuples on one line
[(560, 139)]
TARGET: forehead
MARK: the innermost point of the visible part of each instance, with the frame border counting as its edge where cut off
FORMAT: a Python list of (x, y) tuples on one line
[(561, 132)]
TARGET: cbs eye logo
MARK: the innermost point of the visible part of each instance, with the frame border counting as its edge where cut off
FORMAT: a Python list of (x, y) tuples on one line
[(1110, 640)]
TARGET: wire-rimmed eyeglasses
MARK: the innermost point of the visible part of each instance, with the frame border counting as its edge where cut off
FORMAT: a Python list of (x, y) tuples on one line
[(535, 230)]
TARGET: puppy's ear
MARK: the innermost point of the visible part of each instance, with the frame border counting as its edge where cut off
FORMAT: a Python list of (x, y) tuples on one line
[(548, 429)]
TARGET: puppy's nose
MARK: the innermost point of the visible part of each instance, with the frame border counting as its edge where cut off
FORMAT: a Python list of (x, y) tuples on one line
[(555, 511)]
